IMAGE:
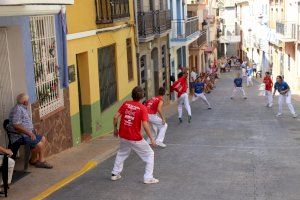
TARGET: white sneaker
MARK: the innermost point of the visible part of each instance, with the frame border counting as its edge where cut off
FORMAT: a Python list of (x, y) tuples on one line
[(295, 115), (279, 114), (115, 177), (161, 144), (270, 105), (151, 181)]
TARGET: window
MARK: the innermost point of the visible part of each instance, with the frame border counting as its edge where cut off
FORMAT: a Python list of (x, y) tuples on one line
[(108, 10), (129, 59), (46, 70), (107, 75)]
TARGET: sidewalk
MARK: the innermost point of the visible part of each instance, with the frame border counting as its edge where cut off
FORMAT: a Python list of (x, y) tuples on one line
[(68, 165)]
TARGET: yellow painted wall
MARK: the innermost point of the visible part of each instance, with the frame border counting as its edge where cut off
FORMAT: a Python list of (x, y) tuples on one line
[(81, 17)]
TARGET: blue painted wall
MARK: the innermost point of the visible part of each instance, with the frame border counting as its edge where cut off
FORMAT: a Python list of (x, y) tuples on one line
[(23, 22)]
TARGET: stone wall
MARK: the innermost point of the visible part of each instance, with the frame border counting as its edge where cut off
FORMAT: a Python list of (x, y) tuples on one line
[(56, 127)]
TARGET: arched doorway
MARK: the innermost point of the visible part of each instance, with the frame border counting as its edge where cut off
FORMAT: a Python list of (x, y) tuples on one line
[(155, 70)]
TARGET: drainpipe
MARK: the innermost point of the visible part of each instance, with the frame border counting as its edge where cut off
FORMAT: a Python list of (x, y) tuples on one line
[(137, 41)]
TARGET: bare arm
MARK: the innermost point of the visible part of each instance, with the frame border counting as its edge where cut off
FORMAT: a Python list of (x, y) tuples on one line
[(6, 151), (148, 132), (21, 129), (160, 111), (116, 120)]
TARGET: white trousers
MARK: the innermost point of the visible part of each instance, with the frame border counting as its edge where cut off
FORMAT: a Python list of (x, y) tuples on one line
[(11, 165), (288, 100), (158, 126), (249, 81), (269, 97), (143, 150), (184, 100), (238, 89), (202, 96)]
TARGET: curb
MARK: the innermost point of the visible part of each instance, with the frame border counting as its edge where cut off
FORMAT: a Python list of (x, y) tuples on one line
[(86, 168)]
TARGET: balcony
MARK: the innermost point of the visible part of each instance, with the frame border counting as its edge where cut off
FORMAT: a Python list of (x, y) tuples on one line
[(35, 2), (185, 32), (200, 41), (108, 11), (153, 24), (287, 31)]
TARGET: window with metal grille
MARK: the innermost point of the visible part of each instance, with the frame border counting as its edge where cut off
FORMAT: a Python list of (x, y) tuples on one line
[(163, 56), (107, 75), (46, 70), (129, 59), (108, 10)]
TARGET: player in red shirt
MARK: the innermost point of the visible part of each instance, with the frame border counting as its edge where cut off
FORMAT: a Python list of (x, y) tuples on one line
[(133, 114), (180, 86), (268, 87), (156, 116)]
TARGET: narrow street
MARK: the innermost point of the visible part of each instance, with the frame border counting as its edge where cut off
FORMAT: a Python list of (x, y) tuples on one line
[(238, 150)]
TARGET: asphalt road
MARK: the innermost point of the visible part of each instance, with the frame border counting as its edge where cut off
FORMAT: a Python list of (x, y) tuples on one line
[(238, 150)]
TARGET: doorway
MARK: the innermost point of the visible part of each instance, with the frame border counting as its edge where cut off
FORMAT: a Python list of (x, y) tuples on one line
[(6, 92), (83, 90), (155, 68)]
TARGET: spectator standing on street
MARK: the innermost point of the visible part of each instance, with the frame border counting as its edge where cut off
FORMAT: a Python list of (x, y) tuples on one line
[(193, 77), (156, 116), (238, 86), (268, 88), (133, 114), (180, 86), (284, 93), (244, 68), (249, 76)]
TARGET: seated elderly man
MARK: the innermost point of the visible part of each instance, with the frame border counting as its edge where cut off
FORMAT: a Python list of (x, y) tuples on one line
[(20, 122)]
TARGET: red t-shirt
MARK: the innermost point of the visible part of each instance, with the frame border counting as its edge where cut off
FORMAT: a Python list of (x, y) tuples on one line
[(133, 113), (180, 86), (152, 104), (269, 83)]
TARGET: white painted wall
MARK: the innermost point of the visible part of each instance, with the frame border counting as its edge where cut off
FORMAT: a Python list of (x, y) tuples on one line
[(17, 61)]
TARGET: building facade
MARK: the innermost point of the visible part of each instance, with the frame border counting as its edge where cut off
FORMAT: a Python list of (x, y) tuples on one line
[(33, 61), (185, 30), (154, 26), (285, 54), (102, 61), (197, 48)]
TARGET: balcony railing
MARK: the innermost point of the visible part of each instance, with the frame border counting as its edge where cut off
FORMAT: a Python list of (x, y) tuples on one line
[(185, 28), (287, 30), (163, 21), (200, 41), (153, 22), (109, 10)]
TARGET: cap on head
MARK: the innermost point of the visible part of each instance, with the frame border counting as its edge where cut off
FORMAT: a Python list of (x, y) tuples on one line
[(137, 93), (21, 98)]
